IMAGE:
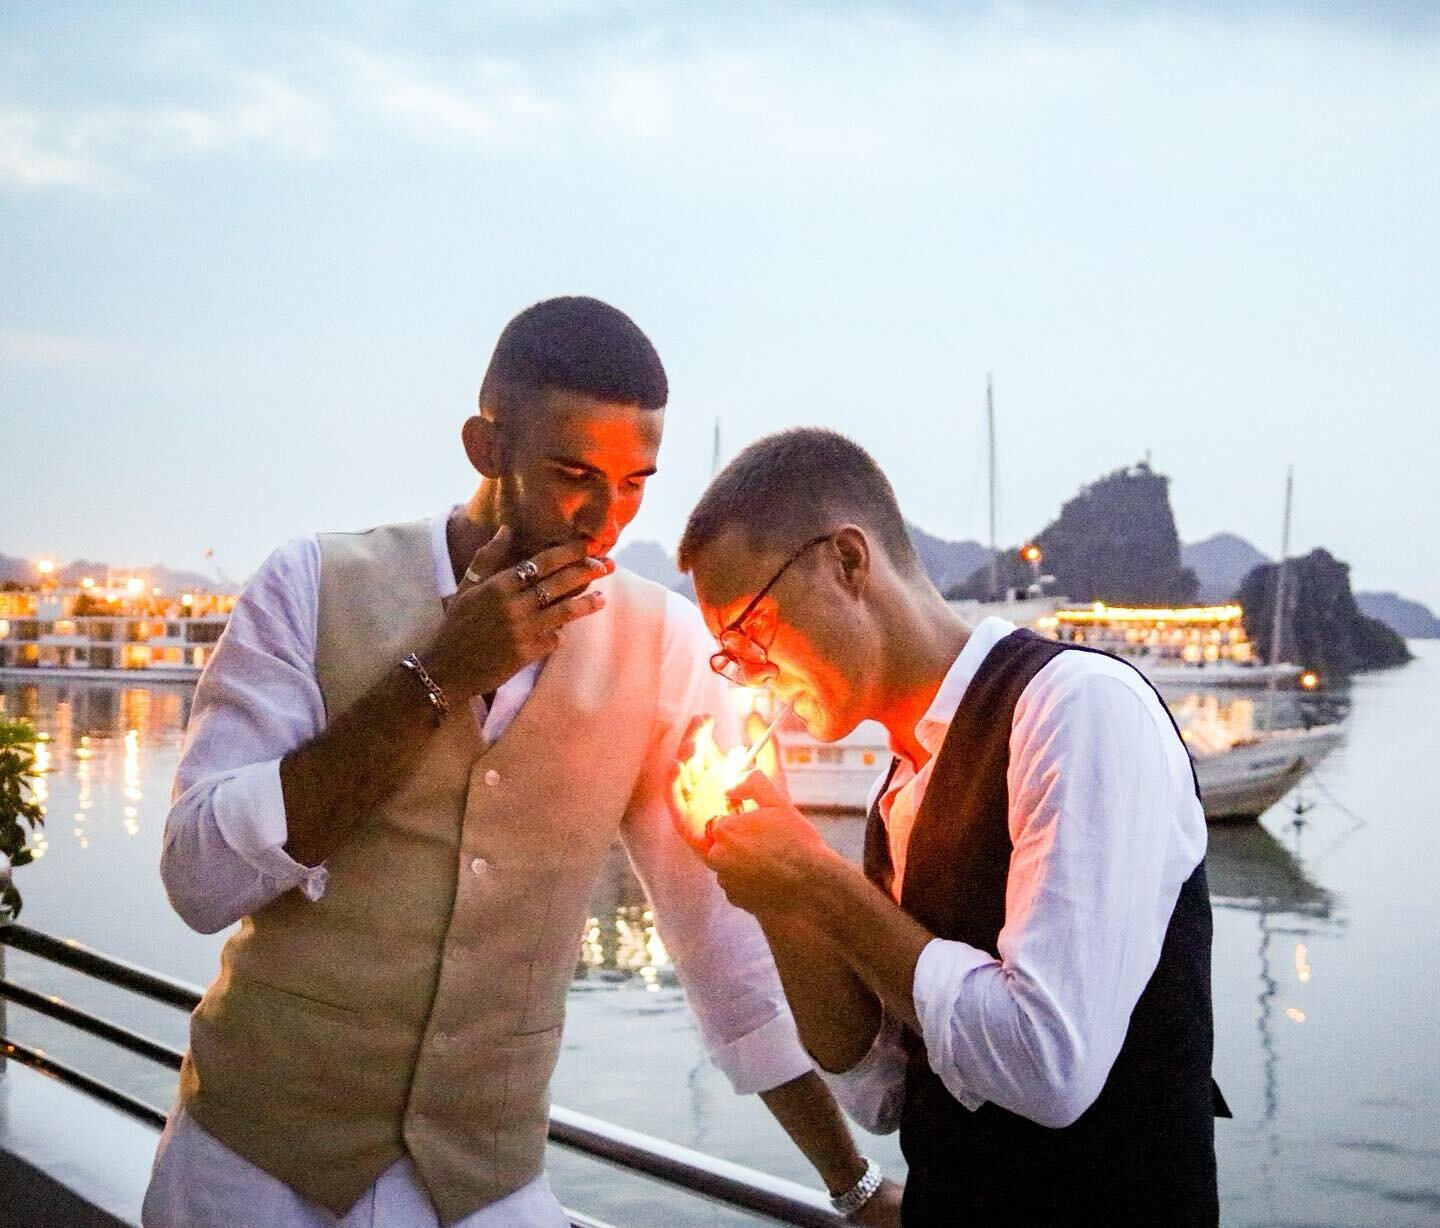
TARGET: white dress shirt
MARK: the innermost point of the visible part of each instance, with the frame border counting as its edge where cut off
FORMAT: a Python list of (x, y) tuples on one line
[(1105, 828), (224, 858)]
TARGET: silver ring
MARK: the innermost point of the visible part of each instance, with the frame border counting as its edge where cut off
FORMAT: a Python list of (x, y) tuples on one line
[(527, 571), (543, 595), (472, 575)]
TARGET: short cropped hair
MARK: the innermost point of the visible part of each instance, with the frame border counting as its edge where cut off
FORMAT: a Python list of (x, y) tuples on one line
[(797, 484), (575, 344)]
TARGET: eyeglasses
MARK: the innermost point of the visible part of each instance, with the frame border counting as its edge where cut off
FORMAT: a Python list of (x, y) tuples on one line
[(743, 658)]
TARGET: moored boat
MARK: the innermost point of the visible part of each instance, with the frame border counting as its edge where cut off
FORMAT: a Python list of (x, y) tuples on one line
[(94, 630)]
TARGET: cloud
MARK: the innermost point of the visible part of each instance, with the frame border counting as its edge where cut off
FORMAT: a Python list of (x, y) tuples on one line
[(31, 158), (102, 148), (807, 86), (489, 100)]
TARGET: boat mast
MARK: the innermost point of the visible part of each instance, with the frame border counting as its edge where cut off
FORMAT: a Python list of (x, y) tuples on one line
[(1277, 623), (990, 421), (715, 449)]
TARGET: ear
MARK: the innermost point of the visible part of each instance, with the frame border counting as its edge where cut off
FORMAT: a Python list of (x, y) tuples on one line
[(853, 548), (481, 437)]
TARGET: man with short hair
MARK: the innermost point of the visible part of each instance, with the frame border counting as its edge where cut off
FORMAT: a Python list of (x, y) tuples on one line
[(409, 755), (1020, 979)]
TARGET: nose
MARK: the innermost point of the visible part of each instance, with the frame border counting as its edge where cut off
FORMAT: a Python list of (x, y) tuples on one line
[(597, 516)]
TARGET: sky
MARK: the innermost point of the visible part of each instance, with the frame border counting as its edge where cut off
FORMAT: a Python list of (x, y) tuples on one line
[(253, 261)]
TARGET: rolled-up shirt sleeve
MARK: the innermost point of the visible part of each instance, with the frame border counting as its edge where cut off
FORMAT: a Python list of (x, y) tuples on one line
[(720, 952), (872, 1091), (1103, 836), (224, 856)]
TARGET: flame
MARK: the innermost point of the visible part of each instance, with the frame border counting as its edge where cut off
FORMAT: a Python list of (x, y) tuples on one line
[(709, 773)]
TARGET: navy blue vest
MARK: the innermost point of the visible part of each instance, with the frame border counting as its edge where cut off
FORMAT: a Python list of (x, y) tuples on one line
[(1144, 1152)]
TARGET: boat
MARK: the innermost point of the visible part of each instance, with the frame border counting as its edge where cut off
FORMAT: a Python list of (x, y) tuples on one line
[(1245, 780), (107, 630), (1184, 646), (1244, 769)]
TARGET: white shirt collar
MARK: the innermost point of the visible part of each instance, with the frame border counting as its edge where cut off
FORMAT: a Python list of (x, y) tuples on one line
[(930, 730), (440, 549)]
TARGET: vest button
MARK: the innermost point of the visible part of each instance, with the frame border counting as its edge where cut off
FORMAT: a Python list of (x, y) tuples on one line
[(492, 778), (479, 865)]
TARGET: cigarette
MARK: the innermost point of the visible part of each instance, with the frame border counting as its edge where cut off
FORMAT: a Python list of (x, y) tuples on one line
[(754, 752)]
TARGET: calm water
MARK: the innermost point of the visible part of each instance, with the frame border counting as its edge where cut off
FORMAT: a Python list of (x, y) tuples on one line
[(1324, 971)]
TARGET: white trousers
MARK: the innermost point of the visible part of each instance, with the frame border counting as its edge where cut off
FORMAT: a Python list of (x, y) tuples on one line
[(198, 1182)]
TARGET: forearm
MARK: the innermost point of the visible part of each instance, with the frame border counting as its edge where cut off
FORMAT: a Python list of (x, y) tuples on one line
[(352, 766), (837, 1014), (878, 940), (810, 1116)]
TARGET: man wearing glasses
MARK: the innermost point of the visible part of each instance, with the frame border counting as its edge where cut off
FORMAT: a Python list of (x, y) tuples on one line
[(1020, 979), (407, 760)]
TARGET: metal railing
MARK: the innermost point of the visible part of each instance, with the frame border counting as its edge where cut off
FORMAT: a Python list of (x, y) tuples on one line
[(745, 1189)]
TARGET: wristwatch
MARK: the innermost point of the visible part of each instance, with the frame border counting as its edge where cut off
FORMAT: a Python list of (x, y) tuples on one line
[(847, 1202)]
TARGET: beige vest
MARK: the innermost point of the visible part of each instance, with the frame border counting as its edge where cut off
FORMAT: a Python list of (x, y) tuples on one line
[(417, 1007)]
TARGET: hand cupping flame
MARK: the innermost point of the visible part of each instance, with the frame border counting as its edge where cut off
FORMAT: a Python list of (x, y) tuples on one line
[(705, 773)]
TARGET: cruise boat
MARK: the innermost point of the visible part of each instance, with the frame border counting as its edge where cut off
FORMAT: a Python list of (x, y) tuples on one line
[(1187, 646), (106, 630)]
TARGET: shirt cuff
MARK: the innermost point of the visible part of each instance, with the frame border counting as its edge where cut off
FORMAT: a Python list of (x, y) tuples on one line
[(763, 1059), (873, 1090), (940, 975), (249, 808)]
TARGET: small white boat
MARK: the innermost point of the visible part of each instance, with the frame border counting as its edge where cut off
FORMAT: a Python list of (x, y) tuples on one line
[(833, 776), (1246, 779)]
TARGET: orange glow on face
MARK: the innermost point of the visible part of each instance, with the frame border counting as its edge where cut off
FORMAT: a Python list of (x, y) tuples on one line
[(579, 469)]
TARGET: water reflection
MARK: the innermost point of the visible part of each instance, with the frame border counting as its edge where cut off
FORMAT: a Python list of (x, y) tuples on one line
[(1217, 718), (1249, 869), (621, 942), (1252, 871), (71, 712), (97, 738)]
